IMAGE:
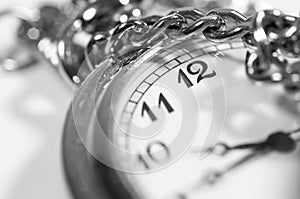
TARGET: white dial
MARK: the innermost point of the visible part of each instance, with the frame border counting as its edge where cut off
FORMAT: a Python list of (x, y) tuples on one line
[(179, 100)]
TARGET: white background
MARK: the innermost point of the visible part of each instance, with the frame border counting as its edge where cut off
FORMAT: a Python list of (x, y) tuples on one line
[(33, 104)]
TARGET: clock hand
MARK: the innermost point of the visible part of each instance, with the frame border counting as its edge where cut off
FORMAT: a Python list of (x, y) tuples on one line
[(213, 176), (294, 131), (279, 141)]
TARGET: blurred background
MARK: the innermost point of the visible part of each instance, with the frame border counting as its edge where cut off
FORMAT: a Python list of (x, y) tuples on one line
[(33, 105)]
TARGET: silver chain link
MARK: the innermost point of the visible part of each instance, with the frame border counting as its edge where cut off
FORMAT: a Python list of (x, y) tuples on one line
[(276, 59), (272, 37)]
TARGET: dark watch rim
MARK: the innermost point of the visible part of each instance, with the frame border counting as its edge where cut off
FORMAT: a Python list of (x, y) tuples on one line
[(87, 177)]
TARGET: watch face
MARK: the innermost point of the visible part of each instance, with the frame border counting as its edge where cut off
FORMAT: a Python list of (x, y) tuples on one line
[(183, 122)]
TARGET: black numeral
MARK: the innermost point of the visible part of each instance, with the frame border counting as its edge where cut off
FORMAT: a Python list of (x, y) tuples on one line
[(184, 77), (161, 100), (201, 72), (146, 109), (151, 157)]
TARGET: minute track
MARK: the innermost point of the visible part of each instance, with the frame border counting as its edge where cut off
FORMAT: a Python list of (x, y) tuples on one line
[(230, 46)]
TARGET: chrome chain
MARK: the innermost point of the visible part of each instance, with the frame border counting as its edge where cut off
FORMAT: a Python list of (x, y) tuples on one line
[(276, 58), (272, 37)]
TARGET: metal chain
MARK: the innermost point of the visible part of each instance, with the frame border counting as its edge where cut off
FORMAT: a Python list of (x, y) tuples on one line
[(272, 37), (276, 58), (146, 32)]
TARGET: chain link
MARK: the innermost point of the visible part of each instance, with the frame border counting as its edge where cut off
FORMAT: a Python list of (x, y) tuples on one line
[(147, 32), (276, 58), (219, 26), (272, 37)]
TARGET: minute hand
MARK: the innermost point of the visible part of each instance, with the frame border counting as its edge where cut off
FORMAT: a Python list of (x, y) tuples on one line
[(278, 141)]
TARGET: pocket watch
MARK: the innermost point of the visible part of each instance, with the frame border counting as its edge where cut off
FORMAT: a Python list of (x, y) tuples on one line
[(188, 105)]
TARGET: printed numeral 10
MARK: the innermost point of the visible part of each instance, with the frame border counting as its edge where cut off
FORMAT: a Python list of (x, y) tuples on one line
[(151, 157)]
